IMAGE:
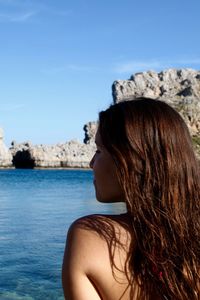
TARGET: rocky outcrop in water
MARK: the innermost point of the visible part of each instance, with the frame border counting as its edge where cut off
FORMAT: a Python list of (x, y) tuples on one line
[(71, 154), (5, 155)]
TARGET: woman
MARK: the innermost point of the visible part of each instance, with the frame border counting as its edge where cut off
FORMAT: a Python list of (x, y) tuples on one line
[(144, 158)]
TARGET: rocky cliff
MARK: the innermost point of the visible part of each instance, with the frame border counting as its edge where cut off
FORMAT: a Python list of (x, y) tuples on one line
[(179, 88)]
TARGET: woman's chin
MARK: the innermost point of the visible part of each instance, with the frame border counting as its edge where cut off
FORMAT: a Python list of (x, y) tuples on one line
[(108, 199)]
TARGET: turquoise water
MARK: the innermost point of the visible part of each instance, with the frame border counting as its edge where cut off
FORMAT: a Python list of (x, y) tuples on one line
[(36, 209)]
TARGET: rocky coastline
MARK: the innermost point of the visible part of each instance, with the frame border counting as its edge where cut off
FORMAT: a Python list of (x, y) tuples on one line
[(178, 87), (72, 154)]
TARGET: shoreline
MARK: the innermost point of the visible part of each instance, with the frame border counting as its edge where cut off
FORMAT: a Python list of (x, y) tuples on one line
[(47, 168)]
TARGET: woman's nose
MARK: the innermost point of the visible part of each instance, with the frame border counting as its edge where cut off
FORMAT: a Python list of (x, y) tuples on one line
[(91, 162)]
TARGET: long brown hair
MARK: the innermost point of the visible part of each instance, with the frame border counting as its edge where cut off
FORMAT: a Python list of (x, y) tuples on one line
[(157, 168)]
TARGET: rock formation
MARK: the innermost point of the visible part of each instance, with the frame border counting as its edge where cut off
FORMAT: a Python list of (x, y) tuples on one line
[(179, 88), (5, 155), (90, 131), (72, 154)]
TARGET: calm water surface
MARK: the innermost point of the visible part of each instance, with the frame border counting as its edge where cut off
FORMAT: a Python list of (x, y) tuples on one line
[(36, 209)]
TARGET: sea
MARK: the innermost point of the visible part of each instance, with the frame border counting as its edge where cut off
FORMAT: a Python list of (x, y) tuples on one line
[(36, 210)]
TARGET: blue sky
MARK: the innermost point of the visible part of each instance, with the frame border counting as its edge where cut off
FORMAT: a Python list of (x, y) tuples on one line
[(58, 59)]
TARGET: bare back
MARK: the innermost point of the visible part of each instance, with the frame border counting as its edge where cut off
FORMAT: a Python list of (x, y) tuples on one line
[(95, 259)]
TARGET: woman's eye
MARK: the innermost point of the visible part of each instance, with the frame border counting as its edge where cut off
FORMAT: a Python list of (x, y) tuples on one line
[(97, 151)]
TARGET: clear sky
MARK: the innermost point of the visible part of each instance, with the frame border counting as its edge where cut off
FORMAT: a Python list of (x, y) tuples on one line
[(58, 59)]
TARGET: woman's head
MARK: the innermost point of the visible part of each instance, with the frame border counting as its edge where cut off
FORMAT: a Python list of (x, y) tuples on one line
[(150, 145), (158, 176)]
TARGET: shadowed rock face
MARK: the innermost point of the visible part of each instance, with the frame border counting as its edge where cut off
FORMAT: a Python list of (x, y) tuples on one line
[(90, 131), (23, 160)]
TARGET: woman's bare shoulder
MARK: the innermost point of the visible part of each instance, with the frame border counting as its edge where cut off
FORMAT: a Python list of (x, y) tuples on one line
[(102, 226), (91, 231), (91, 239), (97, 247), (90, 221)]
